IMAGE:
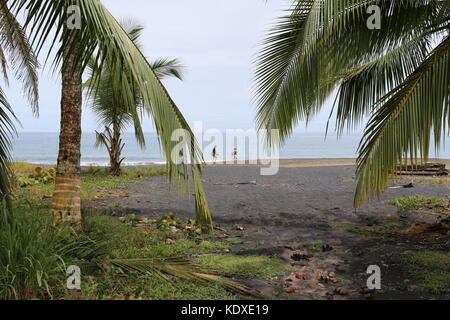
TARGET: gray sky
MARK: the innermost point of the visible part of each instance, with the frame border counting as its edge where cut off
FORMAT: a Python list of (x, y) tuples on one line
[(216, 40)]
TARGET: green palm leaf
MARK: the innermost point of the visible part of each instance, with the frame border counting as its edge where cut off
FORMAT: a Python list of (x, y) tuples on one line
[(100, 32), (321, 47), (165, 268), (402, 126)]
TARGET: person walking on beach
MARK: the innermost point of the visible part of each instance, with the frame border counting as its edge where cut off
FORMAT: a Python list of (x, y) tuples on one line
[(215, 154), (234, 154)]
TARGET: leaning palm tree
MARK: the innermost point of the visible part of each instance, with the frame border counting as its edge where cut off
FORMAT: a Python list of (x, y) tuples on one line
[(399, 75), (110, 106), (99, 34), (15, 51)]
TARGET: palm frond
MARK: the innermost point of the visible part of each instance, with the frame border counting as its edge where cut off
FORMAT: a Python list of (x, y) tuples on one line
[(101, 33), (165, 268), (164, 68), (402, 127), (322, 46), (6, 130), (22, 58)]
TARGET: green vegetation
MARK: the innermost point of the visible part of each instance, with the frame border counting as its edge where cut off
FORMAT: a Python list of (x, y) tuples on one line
[(386, 73), (245, 266), (35, 254), (233, 241), (430, 268), (96, 182), (31, 252), (417, 202), (387, 227), (427, 180), (39, 176), (74, 49), (124, 258), (16, 55), (117, 111)]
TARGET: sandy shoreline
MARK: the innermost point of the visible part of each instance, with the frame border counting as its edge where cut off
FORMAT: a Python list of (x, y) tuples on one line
[(283, 163), (299, 163)]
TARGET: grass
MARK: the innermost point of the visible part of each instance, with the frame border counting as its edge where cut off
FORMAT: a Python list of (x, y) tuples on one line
[(103, 240), (31, 255), (369, 232), (233, 241), (126, 241), (417, 202), (25, 168), (244, 266), (34, 255), (430, 268), (95, 183)]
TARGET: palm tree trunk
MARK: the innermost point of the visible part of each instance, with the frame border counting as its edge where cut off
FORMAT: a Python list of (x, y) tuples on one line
[(115, 150), (66, 197)]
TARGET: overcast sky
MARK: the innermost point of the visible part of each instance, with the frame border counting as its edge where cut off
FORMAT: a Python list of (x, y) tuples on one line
[(216, 41)]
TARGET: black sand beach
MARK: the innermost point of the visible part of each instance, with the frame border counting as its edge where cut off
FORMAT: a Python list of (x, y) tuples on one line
[(304, 215)]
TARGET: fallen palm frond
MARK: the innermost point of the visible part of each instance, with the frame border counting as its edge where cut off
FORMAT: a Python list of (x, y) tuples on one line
[(164, 268)]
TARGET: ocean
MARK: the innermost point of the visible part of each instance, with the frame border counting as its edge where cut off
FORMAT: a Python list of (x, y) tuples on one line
[(42, 148)]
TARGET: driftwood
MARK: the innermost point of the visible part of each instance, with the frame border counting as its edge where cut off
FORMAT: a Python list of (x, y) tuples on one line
[(427, 169)]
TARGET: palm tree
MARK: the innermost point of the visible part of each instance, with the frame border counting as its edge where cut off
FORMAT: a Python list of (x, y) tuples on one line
[(398, 75), (15, 51), (111, 108), (101, 35)]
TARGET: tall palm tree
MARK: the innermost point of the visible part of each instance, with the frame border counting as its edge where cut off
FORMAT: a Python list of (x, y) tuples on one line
[(398, 75), (110, 106), (15, 51), (101, 34)]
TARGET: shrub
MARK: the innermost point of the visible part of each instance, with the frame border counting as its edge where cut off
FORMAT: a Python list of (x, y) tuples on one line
[(30, 260), (417, 202)]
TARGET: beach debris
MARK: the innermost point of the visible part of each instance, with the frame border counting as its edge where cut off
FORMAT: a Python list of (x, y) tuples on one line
[(292, 289), (246, 183), (219, 228), (236, 184), (343, 291), (367, 293), (301, 255), (408, 186), (325, 276), (300, 275), (426, 169)]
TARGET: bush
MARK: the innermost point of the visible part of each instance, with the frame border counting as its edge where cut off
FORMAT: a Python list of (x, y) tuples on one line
[(417, 202), (30, 255)]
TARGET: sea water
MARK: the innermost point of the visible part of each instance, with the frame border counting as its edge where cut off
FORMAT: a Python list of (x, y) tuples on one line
[(42, 148)]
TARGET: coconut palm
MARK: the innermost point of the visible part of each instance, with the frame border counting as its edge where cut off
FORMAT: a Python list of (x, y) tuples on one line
[(15, 52), (110, 107), (99, 34), (398, 75)]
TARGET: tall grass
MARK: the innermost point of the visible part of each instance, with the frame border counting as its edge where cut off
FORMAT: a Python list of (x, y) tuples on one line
[(30, 255)]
